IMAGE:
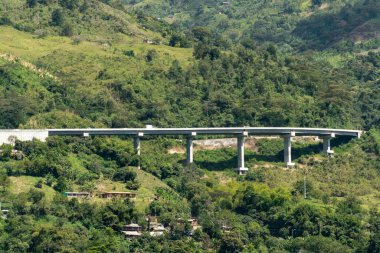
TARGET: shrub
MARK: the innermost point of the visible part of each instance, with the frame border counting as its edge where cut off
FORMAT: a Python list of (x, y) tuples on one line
[(39, 184)]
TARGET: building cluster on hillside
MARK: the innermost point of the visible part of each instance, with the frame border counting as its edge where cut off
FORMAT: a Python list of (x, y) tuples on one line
[(104, 195), (155, 228)]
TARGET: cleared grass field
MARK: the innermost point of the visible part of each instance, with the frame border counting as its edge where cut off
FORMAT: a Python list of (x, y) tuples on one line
[(145, 193), (30, 47), (23, 184)]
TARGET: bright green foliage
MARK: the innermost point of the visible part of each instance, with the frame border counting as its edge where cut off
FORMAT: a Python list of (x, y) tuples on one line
[(112, 63)]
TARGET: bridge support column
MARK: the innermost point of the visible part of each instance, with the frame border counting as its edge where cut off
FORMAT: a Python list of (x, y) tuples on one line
[(190, 149), (288, 149), (137, 146), (240, 146), (327, 144)]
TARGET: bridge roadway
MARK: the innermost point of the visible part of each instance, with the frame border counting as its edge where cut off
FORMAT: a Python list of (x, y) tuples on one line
[(204, 131), (240, 132)]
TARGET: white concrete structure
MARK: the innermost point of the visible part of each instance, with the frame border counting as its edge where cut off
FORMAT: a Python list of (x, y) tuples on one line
[(190, 148), (240, 147), (137, 146), (327, 144), (288, 149), (9, 136)]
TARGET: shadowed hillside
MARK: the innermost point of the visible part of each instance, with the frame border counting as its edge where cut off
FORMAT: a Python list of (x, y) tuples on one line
[(353, 23)]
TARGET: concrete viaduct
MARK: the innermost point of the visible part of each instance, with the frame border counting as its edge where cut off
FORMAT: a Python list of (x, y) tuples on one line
[(8, 136)]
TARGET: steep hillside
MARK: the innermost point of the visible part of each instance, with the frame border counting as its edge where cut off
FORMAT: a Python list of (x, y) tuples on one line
[(299, 25), (113, 63), (265, 210), (129, 83), (87, 19)]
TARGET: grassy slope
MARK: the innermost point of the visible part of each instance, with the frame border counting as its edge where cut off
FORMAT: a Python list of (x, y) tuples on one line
[(78, 65), (31, 48), (341, 176), (22, 184), (145, 193), (242, 16), (344, 175)]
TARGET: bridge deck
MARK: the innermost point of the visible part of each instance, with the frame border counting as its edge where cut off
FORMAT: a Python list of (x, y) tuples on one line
[(9, 136), (202, 131)]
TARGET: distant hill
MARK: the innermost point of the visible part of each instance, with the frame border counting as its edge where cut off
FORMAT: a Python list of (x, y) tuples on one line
[(66, 17), (300, 24)]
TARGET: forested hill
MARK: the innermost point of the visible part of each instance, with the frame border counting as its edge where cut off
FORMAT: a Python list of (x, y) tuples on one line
[(128, 63), (293, 25), (117, 67)]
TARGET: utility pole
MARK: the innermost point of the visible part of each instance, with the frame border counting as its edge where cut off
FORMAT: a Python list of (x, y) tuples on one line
[(304, 187)]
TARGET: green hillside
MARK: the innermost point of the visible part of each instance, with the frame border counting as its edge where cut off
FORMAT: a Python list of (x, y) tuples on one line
[(203, 63), (297, 25)]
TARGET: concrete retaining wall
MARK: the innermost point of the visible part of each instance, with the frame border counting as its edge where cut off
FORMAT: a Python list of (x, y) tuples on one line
[(10, 136), (218, 143)]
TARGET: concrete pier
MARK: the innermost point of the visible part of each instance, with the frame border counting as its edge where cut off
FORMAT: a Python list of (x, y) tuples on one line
[(190, 148), (137, 147), (288, 149), (327, 144), (240, 147)]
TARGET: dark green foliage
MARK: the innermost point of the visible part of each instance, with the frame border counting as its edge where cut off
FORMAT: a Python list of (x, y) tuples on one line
[(317, 244), (179, 40), (256, 175), (252, 199), (31, 3), (231, 242), (61, 185), (57, 17), (125, 175), (130, 53), (4, 181), (67, 30), (303, 187), (39, 184), (151, 55)]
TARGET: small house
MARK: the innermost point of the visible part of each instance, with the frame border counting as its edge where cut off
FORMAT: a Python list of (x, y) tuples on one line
[(226, 229), (80, 195), (193, 223), (148, 41), (157, 230), (132, 230), (123, 195)]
